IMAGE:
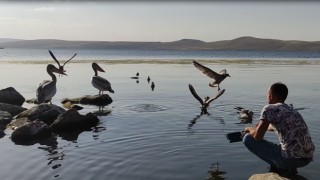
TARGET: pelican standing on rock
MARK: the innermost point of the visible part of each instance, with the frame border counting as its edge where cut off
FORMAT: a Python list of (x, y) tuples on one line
[(206, 101), (218, 78), (99, 82), (47, 89)]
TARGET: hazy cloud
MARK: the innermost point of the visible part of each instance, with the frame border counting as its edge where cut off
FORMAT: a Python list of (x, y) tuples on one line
[(45, 9)]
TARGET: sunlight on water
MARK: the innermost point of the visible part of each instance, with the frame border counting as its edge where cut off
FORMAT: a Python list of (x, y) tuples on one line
[(158, 134)]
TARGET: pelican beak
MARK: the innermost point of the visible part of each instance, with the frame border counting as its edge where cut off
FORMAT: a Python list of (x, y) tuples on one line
[(60, 71), (99, 68)]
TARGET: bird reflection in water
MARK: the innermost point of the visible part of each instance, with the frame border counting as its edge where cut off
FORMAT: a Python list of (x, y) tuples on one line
[(214, 173)]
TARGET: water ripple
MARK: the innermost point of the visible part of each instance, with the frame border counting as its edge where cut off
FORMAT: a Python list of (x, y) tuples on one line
[(147, 108)]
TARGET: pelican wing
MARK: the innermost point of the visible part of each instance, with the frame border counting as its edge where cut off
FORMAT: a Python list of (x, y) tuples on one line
[(70, 59), (46, 90), (194, 93), (54, 58), (101, 84), (206, 70), (215, 97)]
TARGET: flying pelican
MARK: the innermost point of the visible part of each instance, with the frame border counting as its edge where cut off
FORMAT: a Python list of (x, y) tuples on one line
[(99, 82), (47, 89), (206, 101), (61, 68), (218, 78)]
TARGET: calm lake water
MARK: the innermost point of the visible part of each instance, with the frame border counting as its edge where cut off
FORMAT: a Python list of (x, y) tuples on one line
[(147, 134)]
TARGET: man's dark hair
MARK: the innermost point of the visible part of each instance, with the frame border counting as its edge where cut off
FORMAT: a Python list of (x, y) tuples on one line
[(279, 90)]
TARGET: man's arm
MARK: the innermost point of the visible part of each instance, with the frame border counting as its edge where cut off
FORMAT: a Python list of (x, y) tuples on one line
[(259, 130)]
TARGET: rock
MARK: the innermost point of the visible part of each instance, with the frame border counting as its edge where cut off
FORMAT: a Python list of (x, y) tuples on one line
[(2, 134), (34, 101), (16, 123), (98, 100), (43, 112), (267, 176), (12, 109), (69, 105), (30, 132), (5, 118), (71, 120), (11, 96)]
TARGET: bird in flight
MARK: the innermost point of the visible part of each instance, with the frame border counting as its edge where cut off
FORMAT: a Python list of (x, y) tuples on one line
[(61, 68), (218, 78), (206, 101)]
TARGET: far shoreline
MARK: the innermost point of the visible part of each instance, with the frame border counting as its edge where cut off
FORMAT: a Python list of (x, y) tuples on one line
[(270, 61)]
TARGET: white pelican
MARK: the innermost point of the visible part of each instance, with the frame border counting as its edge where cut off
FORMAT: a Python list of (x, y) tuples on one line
[(47, 89), (99, 82), (218, 78), (61, 68), (206, 101)]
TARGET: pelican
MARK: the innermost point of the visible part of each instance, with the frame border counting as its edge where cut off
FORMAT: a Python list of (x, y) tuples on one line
[(47, 89), (99, 82), (218, 78), (61, 68), (206, 101)]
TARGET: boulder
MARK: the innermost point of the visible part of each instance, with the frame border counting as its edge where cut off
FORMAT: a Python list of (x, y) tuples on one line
[(267, 176), (5, 118), (43, 112), (30, 132), (11, 96), (2, 134), (12, 109), (98, 100), (19, 122), (71, 120)]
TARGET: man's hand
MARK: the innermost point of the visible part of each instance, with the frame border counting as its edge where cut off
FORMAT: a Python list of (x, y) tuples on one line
[(258, 131)]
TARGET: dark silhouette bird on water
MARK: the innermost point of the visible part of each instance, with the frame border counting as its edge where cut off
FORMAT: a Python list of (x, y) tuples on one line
[(218, 78), (135, 77), (148, 79), (61, 68), (206, 101), (152, 86)]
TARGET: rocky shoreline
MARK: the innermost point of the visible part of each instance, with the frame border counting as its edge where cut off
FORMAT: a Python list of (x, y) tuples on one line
[(42, 120)]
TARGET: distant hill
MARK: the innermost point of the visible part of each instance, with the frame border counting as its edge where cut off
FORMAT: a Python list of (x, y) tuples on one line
[(242, 43), (4, 40)]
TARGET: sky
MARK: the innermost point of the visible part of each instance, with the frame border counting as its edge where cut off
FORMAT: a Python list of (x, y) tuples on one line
[(159, 20)]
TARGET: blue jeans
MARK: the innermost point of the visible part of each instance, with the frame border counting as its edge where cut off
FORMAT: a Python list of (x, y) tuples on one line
[(271, 153)]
